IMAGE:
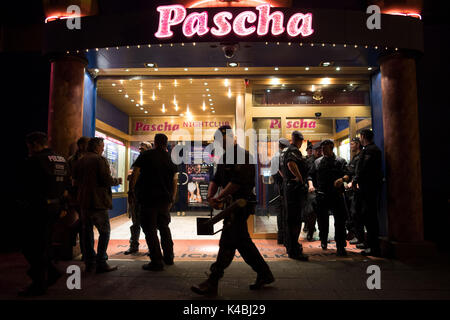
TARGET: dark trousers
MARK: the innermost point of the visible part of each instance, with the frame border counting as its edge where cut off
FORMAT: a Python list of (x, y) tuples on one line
[(294, 197), (153, 218), (309, 212), (135, 228), (335, 203), (234, 237), (99, 219), (279, 207), (355, 223), (369, 209), (37, 247)]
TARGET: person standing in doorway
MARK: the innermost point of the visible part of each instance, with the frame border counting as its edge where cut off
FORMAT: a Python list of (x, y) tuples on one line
[(368, 179), (236, 181), (93, 177), (134, 210), (154, 181), (277, 179), (330, 173), (310, 211), (293, 168), (355, 224)]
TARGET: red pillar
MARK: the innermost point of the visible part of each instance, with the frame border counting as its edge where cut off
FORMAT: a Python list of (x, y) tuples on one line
[(65, 114), (402, 153)]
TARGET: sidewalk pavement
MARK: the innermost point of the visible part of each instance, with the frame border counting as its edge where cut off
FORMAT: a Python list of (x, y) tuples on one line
[(333, 279)]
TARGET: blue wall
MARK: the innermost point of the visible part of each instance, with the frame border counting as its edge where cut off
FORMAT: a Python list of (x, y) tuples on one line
[(341, 124), (377, 127), (119, 207), (89, 102), (112, 116)]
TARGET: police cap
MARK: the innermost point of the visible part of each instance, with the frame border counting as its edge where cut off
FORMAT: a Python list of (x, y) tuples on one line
[(283, 142), (297, 135), (317, 145), (326, 142)]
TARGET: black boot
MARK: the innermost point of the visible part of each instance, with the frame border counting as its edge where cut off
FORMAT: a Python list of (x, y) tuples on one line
[(262, 280), (206, 288), (131, 251)]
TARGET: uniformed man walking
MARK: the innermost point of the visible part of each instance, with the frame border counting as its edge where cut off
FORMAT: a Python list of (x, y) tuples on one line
[(45, 186), (294, 169), (329, 171), (237, 181), (368, 180)]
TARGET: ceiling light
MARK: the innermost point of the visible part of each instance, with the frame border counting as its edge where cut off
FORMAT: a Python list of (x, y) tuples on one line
[(325, 81), (126, 96), (127, 70), (351, 84), (246, 69), (211, 104), (276, 69), (209, 95), (233, 64), (120, 90), (227, 83), (338, 69), (293, 90), (210, 99), (121, 81), (186, 69), (369, 68), (204, 106), (268, 90), (150, 65), (275, 81), (229, 92), (113, 84), (213, 111), (132, 100), (156, 69), (159, 85), (206, 83), (216, 69), (153, 96), (307, 68), (145, 111), (164, 108), (142, 108), (207, 89), (325, 64)]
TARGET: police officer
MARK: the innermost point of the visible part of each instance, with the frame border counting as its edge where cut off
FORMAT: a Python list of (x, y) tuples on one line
[(311, 204), (278, 181), (237, 181), (45, 186), (294, 169), (355, 225), (329, 171), (367, 180)]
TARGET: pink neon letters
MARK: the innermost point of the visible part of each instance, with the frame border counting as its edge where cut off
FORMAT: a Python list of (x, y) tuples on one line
[(166, 20), (244, 24)]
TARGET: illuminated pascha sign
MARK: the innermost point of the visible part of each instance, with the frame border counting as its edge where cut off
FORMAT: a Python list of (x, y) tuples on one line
[(244, 24)]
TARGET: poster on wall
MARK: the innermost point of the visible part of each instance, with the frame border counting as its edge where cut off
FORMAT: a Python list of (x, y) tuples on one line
[(198, 182), (114, 152)]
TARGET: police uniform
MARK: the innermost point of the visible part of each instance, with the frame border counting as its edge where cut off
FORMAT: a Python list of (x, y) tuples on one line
[(354, 222), (46, 180), (368, 176), (325, 171), (294, 197), (235, 231), (310, 209)]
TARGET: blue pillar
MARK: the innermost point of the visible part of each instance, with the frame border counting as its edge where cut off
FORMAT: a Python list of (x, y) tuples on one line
[(89, 105), (377, 127)]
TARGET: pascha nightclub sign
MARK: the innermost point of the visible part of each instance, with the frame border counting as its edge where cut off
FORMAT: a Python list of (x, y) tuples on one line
[(226, 22)]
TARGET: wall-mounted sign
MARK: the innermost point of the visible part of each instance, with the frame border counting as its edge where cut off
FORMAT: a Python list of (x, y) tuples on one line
[(175, 125), (306, 126), (245, 23)]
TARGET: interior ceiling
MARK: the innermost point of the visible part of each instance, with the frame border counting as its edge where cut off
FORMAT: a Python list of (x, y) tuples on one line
[(215, 91)]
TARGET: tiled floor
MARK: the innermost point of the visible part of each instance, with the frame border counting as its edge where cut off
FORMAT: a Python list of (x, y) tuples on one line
[(185, 228)]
